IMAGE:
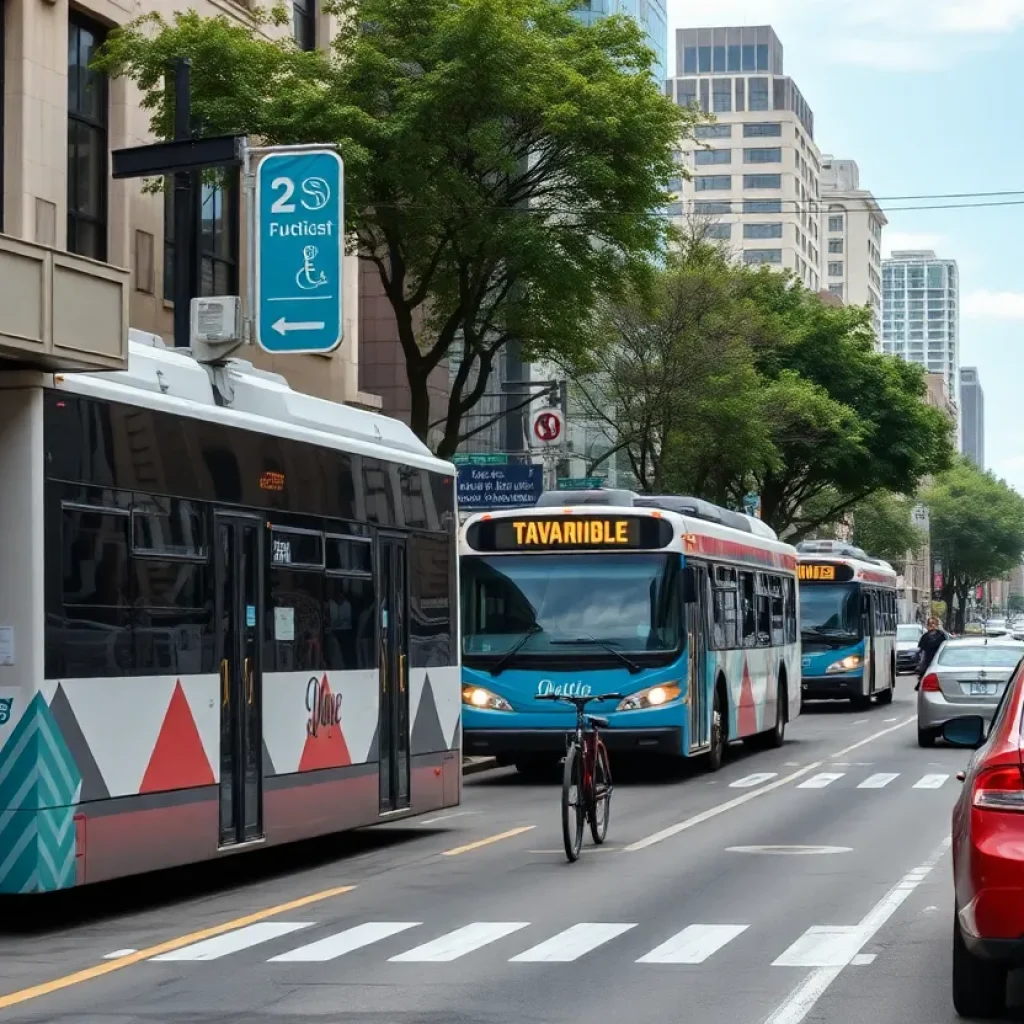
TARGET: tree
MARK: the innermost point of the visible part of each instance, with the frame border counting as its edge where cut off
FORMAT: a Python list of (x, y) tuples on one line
[(977, 530), (883, 523), (504, 161)]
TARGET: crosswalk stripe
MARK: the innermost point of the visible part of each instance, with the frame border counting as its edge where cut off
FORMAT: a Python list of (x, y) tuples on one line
[(879, 780), (459, 942), (333, 946), (821, 780), (572, 943), (694, 944), (752, 780), (823, 946), (930, 782), (234, 942)]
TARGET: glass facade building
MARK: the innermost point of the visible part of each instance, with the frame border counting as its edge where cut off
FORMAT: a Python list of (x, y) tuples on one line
[(652, 14)]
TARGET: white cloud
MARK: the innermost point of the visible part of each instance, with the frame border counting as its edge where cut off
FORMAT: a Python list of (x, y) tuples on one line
[(894, 241), (985, 305), (980, 15)]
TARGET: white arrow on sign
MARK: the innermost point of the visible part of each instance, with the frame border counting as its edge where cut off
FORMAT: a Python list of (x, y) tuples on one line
[(282, 326)]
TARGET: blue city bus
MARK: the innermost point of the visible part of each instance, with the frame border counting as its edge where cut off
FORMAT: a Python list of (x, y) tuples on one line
[(692, 621), (848, 616)]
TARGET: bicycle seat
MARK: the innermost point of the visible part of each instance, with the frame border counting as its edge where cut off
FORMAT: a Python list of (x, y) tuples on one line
[(601, 723)]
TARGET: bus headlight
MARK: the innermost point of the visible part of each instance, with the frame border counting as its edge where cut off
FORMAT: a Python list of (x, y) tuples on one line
[(652, 697), (847, 664), (478, 697)]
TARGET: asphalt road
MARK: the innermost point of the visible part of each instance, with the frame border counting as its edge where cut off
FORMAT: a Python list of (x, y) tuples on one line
[(810, 883)]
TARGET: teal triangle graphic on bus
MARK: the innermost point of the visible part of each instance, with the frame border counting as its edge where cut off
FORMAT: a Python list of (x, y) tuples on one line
[(39, 786)]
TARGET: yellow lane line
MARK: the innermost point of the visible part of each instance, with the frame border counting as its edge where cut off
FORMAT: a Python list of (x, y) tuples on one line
[(487, 842), (25, 994)]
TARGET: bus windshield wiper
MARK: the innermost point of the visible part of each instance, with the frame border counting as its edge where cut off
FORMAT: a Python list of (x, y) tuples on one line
[(499, 666), (606, 644)]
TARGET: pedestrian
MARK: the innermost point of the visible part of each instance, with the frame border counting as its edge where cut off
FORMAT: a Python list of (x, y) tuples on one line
[(931, 640)]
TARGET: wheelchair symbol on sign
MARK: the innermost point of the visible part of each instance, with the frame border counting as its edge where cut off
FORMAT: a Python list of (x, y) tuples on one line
[(309, 278)]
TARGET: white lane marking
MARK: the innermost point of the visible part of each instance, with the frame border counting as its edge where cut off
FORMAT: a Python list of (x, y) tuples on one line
[(344, 942), (822, 946), (802, 999), (460, 942), (694, 944), (821, 780), (863, 959), (118, 953), (930, 782), (793, 851), (571, 944), (888, 719), (752, 780), (233, 942), (860, 721), (738, 801), (879, 781), (445, 817)]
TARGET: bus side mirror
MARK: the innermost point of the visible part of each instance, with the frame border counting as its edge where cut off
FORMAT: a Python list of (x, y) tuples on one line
[(689, 585)]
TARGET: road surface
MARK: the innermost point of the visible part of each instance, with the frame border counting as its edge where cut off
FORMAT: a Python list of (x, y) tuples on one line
[(810, 883)]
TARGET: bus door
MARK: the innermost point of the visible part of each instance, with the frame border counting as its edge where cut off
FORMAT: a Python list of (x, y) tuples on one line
[(696, 635), (237, 566), (393, 660), (867, 624)]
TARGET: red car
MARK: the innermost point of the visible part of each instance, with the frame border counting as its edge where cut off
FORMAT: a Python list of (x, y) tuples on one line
[(988, 855)]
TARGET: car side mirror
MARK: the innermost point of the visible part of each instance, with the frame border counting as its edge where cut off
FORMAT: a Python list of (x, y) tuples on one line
[(968, 731)]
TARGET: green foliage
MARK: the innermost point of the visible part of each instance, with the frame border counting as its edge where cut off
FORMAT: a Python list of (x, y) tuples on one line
[(882, 523), (501, 159), (977, 529)]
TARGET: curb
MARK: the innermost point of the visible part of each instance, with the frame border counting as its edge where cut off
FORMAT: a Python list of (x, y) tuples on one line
[(479, 764)]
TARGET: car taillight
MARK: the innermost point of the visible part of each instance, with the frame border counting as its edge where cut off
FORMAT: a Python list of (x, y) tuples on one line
[(930, 683), (999, 789)]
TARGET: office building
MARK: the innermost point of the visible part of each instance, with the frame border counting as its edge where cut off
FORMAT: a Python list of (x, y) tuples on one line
[(852, 223), (972, 416), (651, 14), (755, 172), (921, 312)]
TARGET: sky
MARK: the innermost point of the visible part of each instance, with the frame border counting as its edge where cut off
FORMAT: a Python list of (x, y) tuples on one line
[(925, 96)]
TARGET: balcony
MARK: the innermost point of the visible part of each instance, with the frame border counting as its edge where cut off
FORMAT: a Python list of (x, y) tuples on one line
[(59, 311)]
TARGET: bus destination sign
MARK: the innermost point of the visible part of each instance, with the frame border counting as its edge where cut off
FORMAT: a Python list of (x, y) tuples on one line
[(570, 533), (824, 572)]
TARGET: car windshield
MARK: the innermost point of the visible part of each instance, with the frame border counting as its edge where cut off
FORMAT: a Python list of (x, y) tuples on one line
[(830, 609), (905, 634), (979, 656), (631, 602)]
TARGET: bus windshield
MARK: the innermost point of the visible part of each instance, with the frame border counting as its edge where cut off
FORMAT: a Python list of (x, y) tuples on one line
[(830, 610), (629, 602)]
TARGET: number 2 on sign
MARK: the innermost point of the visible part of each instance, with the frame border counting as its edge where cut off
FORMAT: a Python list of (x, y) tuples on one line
[(281, 204)]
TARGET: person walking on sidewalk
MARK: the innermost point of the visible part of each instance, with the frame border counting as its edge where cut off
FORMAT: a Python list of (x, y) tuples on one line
[(931, 640)]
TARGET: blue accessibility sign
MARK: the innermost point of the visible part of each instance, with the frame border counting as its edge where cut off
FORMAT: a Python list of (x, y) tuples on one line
[(300, 247)]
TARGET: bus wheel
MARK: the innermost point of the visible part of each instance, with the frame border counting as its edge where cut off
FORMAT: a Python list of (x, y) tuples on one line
[(885, 697), (777, 736), (719, 729)]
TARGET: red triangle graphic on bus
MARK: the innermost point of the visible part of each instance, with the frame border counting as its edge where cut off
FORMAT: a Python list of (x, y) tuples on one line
[(325, 742), (178, 760), (746, 713)]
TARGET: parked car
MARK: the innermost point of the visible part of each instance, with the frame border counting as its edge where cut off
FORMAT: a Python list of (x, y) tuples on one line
[(967, 677), (988, 856), (907, 636)]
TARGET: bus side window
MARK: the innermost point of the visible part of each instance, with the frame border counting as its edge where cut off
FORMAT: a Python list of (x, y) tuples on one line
[(790, 611), (777, 613), (748, 609)]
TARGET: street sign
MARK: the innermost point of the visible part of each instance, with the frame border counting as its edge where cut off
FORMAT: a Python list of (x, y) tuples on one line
[(514, 486), (579, 483), (752, 505), (547, 426), (480, 458), (300, 245)]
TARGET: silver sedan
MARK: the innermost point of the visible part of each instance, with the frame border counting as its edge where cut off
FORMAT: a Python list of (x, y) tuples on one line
[(966, 677)]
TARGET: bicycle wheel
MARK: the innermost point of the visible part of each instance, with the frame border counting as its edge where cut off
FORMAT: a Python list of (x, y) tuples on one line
[(573, 809), (602, 795)]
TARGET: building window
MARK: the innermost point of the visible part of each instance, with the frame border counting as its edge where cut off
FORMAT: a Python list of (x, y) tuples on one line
[(718, 231), (762, 206), (741, 94), (836, 289), (718, 60), (218, 240), (712, 183), (759, 94), (304, 23), (705, 95), (762, 256), (762, 181), (721, 95), (835, 268), (762, 230), (675, 184), (713, 131), (769, 129), (704, 60), (835, 223), (687, 92), (703, 157), (835, 245), (749, 58), (735, 59), (690, 60), (710, 208), (88, 119), (675, 209), (763, 156)]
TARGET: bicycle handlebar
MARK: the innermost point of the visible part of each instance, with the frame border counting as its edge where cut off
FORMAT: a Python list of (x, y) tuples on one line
[(578, 702)]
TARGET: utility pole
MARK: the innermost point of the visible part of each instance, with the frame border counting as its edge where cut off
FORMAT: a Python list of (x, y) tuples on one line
[(188, 187)]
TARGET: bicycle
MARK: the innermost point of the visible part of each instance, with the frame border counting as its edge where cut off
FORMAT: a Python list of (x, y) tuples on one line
[(586, 769)]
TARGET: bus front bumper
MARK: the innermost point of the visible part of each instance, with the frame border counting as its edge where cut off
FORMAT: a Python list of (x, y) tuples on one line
[(832, 687), (509, 743)]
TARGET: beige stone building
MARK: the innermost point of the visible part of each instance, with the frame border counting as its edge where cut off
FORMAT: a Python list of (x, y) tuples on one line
[(83, 256)]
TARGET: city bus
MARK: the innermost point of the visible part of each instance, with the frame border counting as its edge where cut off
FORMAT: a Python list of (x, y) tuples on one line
[(228, 619), (692, 621), (848, 617)]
